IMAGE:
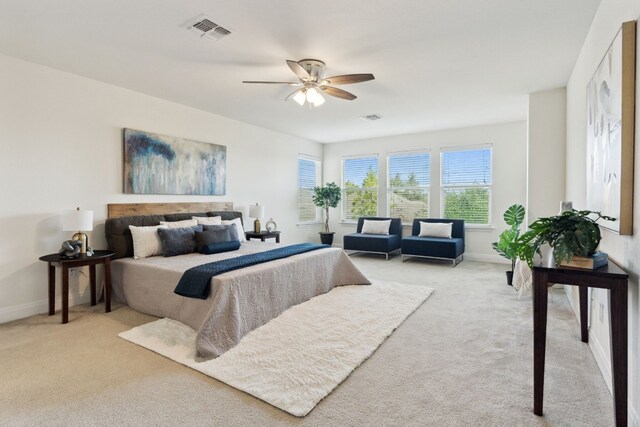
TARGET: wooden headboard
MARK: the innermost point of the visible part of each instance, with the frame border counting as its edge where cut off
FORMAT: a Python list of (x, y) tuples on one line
[(117, 210)]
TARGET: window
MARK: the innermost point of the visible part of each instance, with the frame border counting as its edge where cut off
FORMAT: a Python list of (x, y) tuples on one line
[(308, 177), (359, 187), (408, 178), (466, 184)]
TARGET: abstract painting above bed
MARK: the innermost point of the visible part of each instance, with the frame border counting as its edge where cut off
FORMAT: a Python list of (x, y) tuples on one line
[(160, 164)]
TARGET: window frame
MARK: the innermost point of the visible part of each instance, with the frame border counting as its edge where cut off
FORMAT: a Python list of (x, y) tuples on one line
[(318, 164), (489, 187), (376, 156), (389, 187)]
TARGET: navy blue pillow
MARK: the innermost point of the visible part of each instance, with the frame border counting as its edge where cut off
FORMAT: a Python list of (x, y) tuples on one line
[(211, 236), (233, 230), (178, 241), (215, 248)]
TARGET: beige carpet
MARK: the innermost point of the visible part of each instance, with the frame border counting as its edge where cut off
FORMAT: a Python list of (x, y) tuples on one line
[(463, 358)]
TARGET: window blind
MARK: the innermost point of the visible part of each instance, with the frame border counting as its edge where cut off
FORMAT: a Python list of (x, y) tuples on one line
[(466, 179), (308, 177), (408, 179), (359, 187)]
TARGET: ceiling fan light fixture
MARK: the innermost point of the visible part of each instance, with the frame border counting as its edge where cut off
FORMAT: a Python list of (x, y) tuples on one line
[(318, 101), (300, 97), (314, 97)]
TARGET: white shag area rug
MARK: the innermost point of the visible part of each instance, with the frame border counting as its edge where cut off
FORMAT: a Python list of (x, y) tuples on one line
[(296, 359)]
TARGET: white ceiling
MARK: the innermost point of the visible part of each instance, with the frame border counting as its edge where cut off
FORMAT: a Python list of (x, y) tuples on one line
[(438, 64)]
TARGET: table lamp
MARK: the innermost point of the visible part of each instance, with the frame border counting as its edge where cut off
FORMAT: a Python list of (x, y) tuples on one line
[(78, 221), (256, 211)]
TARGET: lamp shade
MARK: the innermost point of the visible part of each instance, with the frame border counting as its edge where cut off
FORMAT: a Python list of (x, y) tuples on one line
[(256, 211), (77, 220)]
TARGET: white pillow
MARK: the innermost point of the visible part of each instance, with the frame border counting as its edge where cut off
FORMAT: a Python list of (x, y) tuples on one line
[(239, 227), (146, 241), (208, 220), (376, 226), (435, 229), (180, 224)]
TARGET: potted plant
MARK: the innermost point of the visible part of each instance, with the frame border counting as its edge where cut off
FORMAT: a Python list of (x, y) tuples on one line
[(570, 233), (507, 245), (326, 197)]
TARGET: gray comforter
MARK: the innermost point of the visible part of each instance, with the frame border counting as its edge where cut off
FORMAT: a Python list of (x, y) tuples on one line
[(243, 299)]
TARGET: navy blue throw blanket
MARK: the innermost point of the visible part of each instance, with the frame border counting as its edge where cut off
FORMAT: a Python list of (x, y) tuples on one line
[(194, 282)]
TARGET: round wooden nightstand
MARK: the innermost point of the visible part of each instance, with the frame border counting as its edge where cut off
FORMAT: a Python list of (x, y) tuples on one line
[(98, 257)]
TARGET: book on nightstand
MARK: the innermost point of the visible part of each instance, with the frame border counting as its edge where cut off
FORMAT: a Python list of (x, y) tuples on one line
[(597, 260)]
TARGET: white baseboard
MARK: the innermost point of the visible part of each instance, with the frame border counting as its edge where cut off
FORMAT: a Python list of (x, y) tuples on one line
[(633, 416), (496, 259), (572, 302), (602, 358), (7, 314)]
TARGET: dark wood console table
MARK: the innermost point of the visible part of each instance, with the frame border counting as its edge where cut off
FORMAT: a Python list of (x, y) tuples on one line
[(610, 277), (98, 257)]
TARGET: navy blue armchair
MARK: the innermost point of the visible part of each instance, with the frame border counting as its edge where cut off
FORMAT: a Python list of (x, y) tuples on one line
[(374, 243), (435, 247)]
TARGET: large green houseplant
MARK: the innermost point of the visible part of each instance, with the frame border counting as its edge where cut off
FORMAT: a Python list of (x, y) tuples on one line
[(569, 233), (327, 197), (507, 244)]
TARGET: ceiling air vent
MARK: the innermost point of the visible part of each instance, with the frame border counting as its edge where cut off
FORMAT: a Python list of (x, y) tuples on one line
[(371, 117), (205, 27)]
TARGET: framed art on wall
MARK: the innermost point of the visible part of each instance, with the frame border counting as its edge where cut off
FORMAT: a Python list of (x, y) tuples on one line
[(160, 164), (610, 132)]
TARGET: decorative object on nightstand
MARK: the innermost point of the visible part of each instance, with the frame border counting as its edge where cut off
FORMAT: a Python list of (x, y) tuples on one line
[(256, 211), (271, 225), (71, 249), (78, 221)]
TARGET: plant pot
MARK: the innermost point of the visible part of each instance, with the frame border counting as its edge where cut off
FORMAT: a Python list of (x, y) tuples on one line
[(326, 238), (509, 278)]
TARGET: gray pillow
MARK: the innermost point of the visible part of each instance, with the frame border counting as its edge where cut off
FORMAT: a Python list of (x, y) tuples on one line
[(178, 241), (205, 238), (233, 230)]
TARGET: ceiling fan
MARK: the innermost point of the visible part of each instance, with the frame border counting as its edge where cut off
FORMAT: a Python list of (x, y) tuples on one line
[(312, 82)]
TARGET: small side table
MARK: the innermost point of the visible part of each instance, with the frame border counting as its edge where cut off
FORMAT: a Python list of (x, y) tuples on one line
[(263, 235), (99, 257)]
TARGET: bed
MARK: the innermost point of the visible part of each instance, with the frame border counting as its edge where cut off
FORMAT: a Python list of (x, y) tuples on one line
[(239, 301)]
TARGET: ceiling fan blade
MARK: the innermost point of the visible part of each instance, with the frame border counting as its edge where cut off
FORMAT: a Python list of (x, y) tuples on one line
[(347, 79), (298, 70), (338, 93), (272, 83)]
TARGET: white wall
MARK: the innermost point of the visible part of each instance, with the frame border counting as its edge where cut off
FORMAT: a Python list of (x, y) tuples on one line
[(624, 250), (509, 174), (546, 136), (61, 147)]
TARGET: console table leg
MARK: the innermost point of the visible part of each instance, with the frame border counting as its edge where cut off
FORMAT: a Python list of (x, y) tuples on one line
[(618, 339), (107, 285), (65, 294), (584, 313), (52, 289), (92, 283), (540, 299)]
